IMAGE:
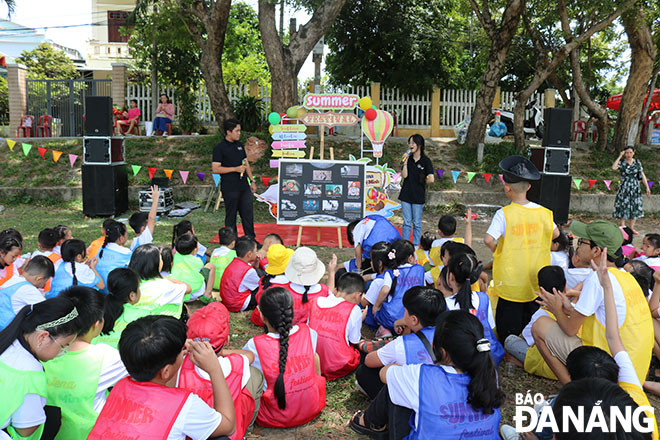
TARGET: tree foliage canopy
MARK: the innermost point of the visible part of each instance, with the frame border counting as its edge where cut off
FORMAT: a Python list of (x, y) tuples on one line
[(44, 62)]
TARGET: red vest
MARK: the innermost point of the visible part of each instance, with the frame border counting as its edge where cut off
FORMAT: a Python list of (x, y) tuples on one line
[(231, 280), (300, 310), (256, 317), (263, 263), (243, 401), (305, 390), (337, 357), (137, 410)]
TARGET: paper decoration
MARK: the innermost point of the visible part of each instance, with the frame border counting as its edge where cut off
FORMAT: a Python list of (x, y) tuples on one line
[(650, 182), (265, 180), (470, 176), (184, 176), (11, 144), (439, 172), (152, 171), (56, 155), (577, 183), (26, 149), (168, 173), (378, 130), (72, 159), (455, 174), (592, 182), (487, 176), (501, 178), (607, 184), (216, 178), (201, 176), (42, 152), (274, 163), (136, 169)]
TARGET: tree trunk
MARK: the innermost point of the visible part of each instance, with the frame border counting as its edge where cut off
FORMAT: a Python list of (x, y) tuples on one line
[(643, 53), (645, 109), (215, 87), (501, 38)]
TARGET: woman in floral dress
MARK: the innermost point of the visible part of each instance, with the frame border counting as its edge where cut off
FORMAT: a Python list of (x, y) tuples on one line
[(628, 204)]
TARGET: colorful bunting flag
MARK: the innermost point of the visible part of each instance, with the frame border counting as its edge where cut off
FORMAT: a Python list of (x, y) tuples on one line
[(72, 159), (26, 148), (650, 182), (42, 152), (265, 180), (201, 176), (440, 173), (577, 183), (184, 176), (168, 173), (56, 155), (136, 169), (592, 182), (455, 174), (216, 179), (11, 144), (152, 171), (487, 176), (607, 184), (501, 178), (470, 176)]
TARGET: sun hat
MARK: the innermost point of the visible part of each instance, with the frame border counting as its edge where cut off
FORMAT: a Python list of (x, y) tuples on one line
[(604, 234), (278, 257), (210, 323), (304, 268)]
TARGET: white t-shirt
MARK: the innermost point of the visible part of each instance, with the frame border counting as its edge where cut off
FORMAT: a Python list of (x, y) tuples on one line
[(144, 238), (220, 252), (428, 278), (527, 331), (651, 261), (591, 299), (393, 352), (196, 420), (438, 242), (58, 250), (362, 230), (627, 372), (115, 247), (497, 226), (25, 295), (225, 364), (84, 273), (576, 275), (249, 282), (163, 290), (403, 385), (559, 258), (354, 324), (31, 412), (374, 290), (112, 371), (453, 305)]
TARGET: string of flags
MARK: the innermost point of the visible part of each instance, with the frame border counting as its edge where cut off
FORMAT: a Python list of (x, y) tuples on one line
[(455, 174)]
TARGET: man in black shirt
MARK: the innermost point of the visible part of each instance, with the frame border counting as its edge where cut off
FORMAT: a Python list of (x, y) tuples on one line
[(236, 184)]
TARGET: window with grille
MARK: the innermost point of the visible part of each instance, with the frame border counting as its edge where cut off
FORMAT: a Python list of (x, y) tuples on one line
[(116, 20)]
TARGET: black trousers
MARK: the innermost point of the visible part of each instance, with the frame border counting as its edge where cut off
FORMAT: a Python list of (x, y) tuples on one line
[(239, 202), (381, 411), (512, 317), (369, 380)]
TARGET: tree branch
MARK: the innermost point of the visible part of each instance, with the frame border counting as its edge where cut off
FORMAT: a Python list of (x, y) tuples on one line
[(486, 24)]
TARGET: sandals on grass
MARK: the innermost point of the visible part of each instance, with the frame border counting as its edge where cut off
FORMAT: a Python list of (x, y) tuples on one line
[(372, 432)]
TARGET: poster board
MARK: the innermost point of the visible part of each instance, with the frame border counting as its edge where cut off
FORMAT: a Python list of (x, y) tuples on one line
[(320, 193)]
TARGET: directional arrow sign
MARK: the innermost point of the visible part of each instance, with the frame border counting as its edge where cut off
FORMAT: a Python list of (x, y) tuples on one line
[(329, 119), (279, 145), (295, 136), (288, 128), (289, 153)]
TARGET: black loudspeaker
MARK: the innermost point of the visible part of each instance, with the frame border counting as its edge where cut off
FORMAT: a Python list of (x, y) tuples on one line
[(98, 116), (551, 160), (103, 150), (553, 192), (557, 131), (105, 189)]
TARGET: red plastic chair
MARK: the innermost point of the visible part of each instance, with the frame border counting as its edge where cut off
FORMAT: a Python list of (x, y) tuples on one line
[(27, 129), (580, 127), (43, 126)]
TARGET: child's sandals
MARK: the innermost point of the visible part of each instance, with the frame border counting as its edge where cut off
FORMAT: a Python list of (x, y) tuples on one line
[(373, 432), (367, 346)]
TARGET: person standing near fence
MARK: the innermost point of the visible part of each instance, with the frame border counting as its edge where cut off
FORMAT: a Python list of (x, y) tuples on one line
[(164, 115), (628, 204), (416, 174)]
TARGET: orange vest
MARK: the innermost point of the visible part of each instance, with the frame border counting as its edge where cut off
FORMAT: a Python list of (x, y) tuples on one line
[(95, 246), (54, 258), (8, 273)]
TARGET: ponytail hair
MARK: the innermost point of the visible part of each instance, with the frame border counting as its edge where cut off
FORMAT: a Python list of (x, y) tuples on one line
[(459, 336), (70, 250), (121, 282), (45, 315), (265, 281), (276, 305), (113, 232), (305, 299), (379, 260), (466, 270), (183, 227), (398, 254)]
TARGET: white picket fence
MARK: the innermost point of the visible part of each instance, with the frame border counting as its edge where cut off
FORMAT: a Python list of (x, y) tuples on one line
[(411, 111)]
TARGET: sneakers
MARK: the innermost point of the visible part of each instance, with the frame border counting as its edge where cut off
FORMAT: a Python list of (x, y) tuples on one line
[(508, 432), (382, 332)]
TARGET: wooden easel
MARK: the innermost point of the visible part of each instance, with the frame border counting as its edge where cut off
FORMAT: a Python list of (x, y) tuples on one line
[(210, 198), (318, 231)]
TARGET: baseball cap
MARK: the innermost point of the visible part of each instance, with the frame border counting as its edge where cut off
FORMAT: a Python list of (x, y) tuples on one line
[(210, 323), (604, 234)]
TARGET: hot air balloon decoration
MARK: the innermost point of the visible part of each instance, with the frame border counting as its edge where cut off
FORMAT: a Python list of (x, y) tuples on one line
[(378, 129)]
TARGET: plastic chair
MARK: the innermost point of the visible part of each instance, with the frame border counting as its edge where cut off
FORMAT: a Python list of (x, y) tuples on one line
[(580, 127), (25, 126), (43, 126)]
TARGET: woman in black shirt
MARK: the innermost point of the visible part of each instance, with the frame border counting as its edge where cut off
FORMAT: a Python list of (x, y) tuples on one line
[(417, 172)]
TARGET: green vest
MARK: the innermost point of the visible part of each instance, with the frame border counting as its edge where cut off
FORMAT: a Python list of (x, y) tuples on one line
[(221, 264), (131, 313), (14, 386), (149, 301), (186, 268), (73, 380)]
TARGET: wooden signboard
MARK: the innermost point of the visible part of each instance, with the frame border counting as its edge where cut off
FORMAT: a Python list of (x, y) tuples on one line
[(329, 119)]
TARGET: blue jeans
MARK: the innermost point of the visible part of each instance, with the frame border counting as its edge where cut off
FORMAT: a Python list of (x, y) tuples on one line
[(412, 214)]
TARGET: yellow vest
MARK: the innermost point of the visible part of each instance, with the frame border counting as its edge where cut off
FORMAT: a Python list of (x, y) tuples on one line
[(435, 273), (422, 259), (640, 399), (636, 331), (434, 253), (522, 252)]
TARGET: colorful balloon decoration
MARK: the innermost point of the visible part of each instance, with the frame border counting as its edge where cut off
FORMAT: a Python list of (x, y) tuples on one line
[(300, 112), (365, 103), (378, 129), (292, 112), (370, 114), (274, 118)]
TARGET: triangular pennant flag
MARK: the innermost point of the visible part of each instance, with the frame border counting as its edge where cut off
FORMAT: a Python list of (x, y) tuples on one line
[(136, 169), (11, 144), (470, 176), (152, 171), (650, 182), (42, 152), (168, 173), (455, 174), (216, 179), (201, 176), (184, 176), (265, 180), (592, 182), (72, 159), (577, 183), (439, 172), (501, 178), (607, 184), (56, 155), (26, 148), (487, 176)]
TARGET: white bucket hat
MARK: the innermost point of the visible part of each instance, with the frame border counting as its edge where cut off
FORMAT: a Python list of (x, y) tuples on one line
[(304, 267)]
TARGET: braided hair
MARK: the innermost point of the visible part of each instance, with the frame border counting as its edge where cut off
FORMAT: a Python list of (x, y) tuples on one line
[(113, 232), (305, 299), (466, 270), (276, 305), (70, 250), (183, 227)]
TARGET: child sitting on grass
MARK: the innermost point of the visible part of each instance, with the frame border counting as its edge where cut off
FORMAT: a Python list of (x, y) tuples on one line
[(422, 252), (240, 282), (186, 227), (222, 256), (143, 224), (23, 290), (74, 271), (187, 267)]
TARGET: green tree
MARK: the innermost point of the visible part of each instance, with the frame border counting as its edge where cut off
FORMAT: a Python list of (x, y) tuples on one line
[(44, 62), (243, 59), (4, 101)]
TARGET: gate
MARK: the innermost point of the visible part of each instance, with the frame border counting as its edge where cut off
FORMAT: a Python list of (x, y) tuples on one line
[(64, 100)]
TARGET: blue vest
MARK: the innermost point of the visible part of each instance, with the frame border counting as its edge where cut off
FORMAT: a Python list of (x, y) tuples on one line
[(110, 260), (416, 352), (391, 311), (383, 230), (496, 349), (63, 280), (444, 412), (7, 314)]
